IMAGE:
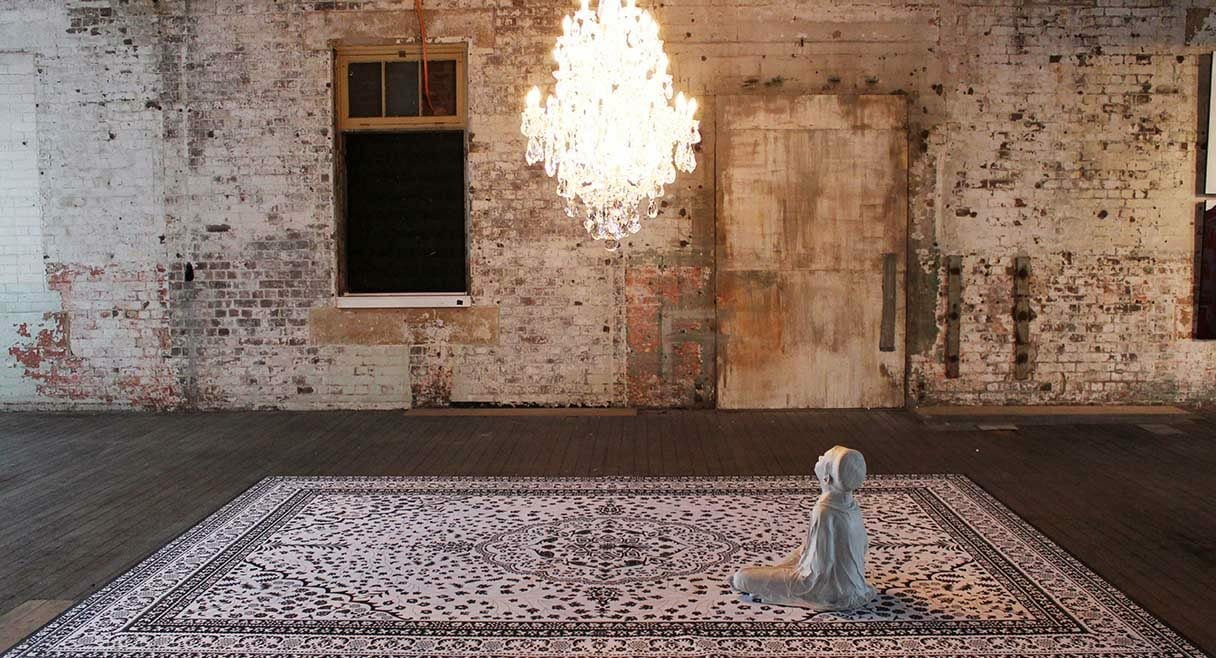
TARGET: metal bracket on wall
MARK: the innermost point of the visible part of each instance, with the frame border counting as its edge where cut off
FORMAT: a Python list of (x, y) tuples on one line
[(954, 312), (886, 338), (1022, 315)]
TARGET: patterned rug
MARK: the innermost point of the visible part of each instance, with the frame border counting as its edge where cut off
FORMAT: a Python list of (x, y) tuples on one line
[(620, 567)]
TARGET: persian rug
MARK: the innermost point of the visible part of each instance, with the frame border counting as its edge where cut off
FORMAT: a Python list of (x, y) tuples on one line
[(604, 567)]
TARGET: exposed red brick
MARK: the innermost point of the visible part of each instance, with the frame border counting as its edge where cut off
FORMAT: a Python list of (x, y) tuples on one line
[(669, 329), (135, 335)]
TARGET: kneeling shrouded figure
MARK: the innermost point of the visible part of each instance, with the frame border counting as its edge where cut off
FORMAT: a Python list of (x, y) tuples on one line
[(828, 572)]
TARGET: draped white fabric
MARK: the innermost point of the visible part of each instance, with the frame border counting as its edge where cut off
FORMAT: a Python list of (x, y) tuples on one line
[(828, 571)]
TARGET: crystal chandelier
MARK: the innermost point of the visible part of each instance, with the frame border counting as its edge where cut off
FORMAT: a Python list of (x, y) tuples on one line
[(609, 132)]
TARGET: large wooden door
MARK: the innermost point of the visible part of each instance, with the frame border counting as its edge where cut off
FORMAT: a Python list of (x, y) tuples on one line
[(811, 241)]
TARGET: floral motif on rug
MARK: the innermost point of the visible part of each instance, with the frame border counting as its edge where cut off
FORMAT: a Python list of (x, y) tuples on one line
[(346, 566)]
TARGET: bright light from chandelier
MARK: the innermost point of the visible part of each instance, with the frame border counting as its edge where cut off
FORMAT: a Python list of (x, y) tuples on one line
[(609, 133)]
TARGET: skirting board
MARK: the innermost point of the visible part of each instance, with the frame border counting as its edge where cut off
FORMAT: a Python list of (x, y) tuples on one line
[(1050, 410), (525, 411)]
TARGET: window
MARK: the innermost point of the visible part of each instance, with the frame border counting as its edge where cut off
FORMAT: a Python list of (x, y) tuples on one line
[(401, 176), (1205, 224), (1205, 273)]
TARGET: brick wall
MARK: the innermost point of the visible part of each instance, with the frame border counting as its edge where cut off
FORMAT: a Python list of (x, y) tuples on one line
[(147, 135), (27, 305)]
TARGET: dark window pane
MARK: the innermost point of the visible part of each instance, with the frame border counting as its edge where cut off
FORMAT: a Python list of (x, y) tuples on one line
[(405, 206), (363, 89), (401, 86), (1205, 300), (443, 88)]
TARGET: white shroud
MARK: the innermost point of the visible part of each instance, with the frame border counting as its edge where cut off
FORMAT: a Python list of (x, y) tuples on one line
[(828, 572)]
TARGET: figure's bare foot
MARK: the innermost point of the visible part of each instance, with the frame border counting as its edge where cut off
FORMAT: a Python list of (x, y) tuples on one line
[(741, 582), (752, 579)]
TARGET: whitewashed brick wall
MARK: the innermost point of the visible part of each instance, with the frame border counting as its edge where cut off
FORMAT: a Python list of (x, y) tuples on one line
[(1062, 131), (24, 296)]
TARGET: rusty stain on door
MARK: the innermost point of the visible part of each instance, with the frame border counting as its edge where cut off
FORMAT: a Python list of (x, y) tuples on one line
[(811, 237)]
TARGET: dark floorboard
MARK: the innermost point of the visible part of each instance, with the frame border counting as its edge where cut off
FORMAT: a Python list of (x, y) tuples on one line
[(84, 497)]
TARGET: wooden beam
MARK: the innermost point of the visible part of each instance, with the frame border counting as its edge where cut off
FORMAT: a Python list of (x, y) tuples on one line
[(1021, 317), (954, 312), (886, 336), (524, 411), (1050, 410)]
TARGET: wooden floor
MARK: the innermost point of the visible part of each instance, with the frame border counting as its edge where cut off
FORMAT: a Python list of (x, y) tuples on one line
[(84, 497)]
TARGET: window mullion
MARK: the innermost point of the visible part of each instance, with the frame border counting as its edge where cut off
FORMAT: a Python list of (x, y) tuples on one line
[(423, 117)]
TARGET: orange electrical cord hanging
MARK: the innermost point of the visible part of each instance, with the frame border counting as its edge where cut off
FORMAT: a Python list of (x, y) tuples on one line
[(426, 74)]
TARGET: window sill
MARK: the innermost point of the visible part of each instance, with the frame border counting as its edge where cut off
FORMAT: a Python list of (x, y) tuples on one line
[(410, 300)]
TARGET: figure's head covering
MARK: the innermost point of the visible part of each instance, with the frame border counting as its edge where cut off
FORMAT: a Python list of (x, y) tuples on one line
[(847, 467)]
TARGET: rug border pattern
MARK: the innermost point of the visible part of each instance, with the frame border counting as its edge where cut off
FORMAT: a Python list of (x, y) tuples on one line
[(682, 646)]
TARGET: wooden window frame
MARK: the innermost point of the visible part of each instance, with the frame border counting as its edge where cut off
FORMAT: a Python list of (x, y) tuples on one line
[(346, 55), (343, 55)]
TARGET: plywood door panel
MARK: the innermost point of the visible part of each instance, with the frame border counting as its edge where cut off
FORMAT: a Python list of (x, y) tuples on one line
[(760, 223), (812, 197)]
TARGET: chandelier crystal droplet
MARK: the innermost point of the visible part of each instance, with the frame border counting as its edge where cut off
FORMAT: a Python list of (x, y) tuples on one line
[(610, 133)]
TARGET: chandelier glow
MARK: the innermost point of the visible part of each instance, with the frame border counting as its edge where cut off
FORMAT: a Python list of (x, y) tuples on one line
[(609, 132)]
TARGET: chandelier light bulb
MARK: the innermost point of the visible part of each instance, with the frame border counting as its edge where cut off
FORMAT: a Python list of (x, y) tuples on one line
[(609, 132)]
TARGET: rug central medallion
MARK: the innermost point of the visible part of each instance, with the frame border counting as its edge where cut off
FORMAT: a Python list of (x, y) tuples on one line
[(607, 550)]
